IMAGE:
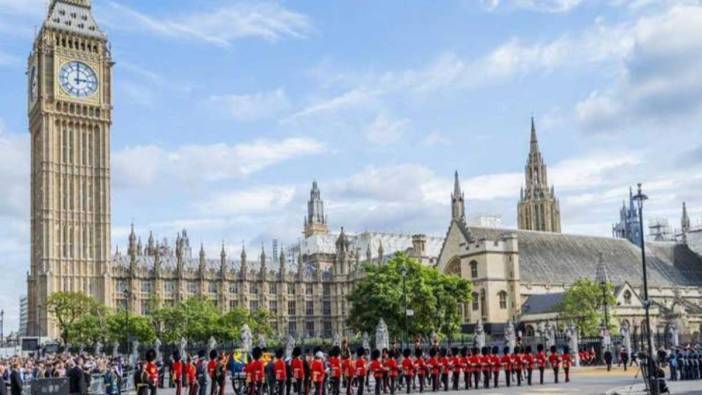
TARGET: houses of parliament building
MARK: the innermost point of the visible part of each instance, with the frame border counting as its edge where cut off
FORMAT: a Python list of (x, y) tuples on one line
[(305, 286)]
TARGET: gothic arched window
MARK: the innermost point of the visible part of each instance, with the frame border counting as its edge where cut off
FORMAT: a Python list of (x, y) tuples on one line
[(627, 297), (476, 301), (473, 269), (503, 299)]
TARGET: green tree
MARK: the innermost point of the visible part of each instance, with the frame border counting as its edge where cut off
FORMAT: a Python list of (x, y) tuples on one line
[(169, 323), (68, 308), (433, 296), (88, 329), (140, 327), (582, 304)]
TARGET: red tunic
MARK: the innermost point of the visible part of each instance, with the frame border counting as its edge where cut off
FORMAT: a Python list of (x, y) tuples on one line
[(347, 367), (254, 371), (360, 367), (506, 363), (529, 360), (152, 372), (298, 368), (486, 363), (376, 367), (211, 367), (517, 361), (541, 359), (335, 366), (317, 371), (554, 360), (495, 359), (281, 371), (408, 367), (434, 365), (177, 371), (391, 364), (444, 363), (190, 370), (567, 360), (457, 364), (421, 366), (474, 362)]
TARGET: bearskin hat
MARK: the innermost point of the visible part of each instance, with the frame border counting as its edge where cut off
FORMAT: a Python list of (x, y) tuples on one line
[(360, 352), (527, 349), (553, 348), (406, 353), (279, 353), (334, 351), (539, 347), (464, 351), (256, 353), (213, 354), (418, 352), (296, 352), (432, 352), (495, 350), (566, 350), (151, 355), (506, 350), (484, 351), (176, 356), (375, 354), (201, 354)]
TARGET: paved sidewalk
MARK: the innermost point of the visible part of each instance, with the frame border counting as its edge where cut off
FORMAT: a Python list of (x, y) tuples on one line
[(675, 387)]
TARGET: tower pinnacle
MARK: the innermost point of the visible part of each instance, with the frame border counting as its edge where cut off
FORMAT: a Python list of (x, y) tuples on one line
[(458, 208), (315, 221)]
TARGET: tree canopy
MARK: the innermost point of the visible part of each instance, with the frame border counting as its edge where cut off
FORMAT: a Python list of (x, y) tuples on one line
[(434, 297), (583, 305), (82, 320)]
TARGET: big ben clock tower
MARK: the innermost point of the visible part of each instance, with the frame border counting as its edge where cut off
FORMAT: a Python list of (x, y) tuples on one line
[(70, 111)]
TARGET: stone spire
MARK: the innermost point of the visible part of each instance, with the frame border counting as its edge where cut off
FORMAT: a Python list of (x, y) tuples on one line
[(601, 275), (538, 207), (369, 254), (458, 208), (157, 260), (263, 261), (150, 244), (684, 223), (300, 265), (132, 250), (381, 251), (140, 247), (281, 263), (243, 269), (316, 221)]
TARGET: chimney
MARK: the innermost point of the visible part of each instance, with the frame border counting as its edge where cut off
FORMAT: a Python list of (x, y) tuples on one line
[(419, 243)]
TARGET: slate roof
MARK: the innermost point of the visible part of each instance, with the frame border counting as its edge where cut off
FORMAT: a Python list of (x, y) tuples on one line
[(542, 303), (562, 259), (73, 18)]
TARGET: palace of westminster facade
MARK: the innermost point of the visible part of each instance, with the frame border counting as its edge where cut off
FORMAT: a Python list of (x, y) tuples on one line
[(304, 288)]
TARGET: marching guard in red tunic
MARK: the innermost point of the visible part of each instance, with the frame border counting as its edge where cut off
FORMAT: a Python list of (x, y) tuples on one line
[(507, 366), (541, 361), (567, 363), (555, 361), (529, 363), (408, 368)]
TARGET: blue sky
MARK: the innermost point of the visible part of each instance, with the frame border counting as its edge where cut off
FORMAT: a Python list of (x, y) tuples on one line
[(226, 110)]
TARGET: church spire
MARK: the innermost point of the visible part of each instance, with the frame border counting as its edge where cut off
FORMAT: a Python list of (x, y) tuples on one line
[(538, 208), (684, 223), (458, 208), (315, 221)]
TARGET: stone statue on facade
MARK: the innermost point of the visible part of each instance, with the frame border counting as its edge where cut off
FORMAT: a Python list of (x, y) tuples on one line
[(366, 341), (337, 340), (115, 349), (98, 348), (382, 338), (549, 335), (674, 335), (540, 330), (510, 336), (434, 339), (81, 349), (606, 338), (134, 358), (479, 337), (211, 344), (157, 347), (181, 348), (261, 341), (625, 332), (246, 338), (571, 334), (289, 346)]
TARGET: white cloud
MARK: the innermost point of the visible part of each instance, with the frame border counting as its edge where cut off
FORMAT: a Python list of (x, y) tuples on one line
[(145, 165), (659, 81), (267, 20), (385, 130), (356, 98), (265, 199), (254, 106), (436, 138)]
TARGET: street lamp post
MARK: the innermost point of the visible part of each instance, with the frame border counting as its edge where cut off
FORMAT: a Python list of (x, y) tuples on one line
[(403, 272), (604, 301), (127, 293), (640, 198)]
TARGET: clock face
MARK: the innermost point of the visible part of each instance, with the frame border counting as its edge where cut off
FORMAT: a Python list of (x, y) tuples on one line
[(78, 79), (33, 84)]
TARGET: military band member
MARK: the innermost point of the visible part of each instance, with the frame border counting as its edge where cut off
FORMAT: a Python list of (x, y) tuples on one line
[(567, 363), (360, 370), (555, 361), (298, 368), (486, 365), (421, 367), (466, 367), (474, 360), (434, 368), (376, 368), (507, 366), (518, 364), (280, 371), (444, 363), (335, 370), (541, 361), (177, 371), (529, 363), (408, 369), (318, 373)]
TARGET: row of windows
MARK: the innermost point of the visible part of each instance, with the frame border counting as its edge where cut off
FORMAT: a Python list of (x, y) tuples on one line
[(77, 43), (213, 287), (477, 298), (72, 236)]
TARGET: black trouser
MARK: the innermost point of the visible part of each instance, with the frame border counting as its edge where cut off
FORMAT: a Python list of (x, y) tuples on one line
[(392, 379), (566, 370), (422, 378), (486, 378), (508, 377), (519, 377), (555, 374), (496, 378), (529, 371), (456, 378), (409, 379), (319, 388), (541, 375), (476, 379), (378, 385), (335, 385), (466, 378), (152, 389), (445, 381), (361, 384)]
